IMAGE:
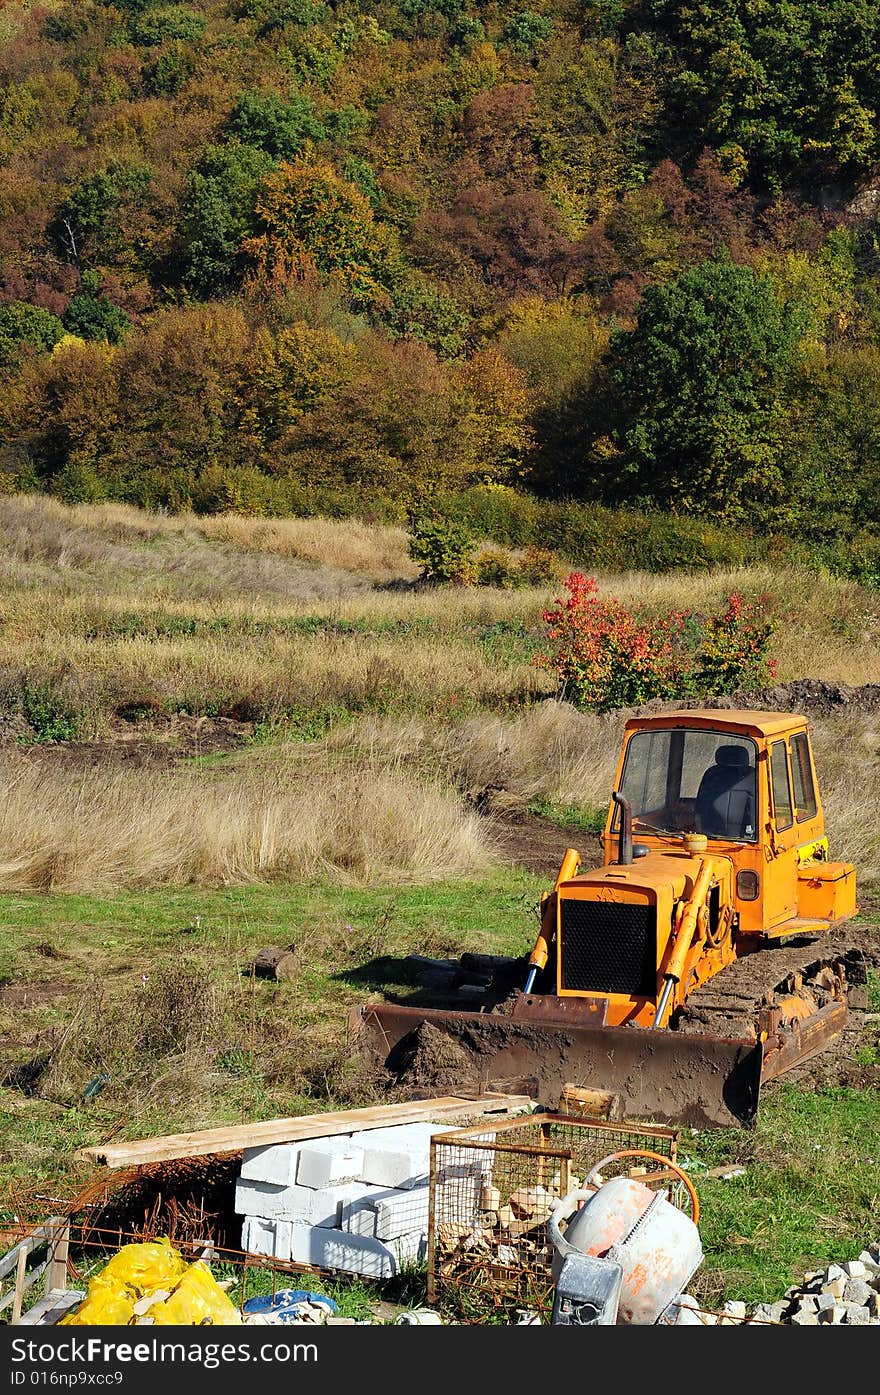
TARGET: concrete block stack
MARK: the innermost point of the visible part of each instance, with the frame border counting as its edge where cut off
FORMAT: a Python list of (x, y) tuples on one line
[(356, 1202)]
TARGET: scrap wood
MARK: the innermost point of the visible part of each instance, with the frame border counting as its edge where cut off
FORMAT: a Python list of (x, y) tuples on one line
[(235, 1138)]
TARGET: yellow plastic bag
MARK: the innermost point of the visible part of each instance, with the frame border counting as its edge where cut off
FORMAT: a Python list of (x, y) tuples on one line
[(105, 1305), (146, 1267), (197, 1299), (134, 1272)]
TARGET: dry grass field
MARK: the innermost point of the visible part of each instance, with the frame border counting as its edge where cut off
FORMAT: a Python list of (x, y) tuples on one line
[(370, 716), (220, 733)]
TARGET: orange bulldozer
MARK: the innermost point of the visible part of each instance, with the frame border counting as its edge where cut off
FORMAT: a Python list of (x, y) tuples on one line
[(684, 971)]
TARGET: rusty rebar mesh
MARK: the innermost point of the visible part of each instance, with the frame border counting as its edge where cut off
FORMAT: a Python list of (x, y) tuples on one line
[(492, 1191), (191, 1201)]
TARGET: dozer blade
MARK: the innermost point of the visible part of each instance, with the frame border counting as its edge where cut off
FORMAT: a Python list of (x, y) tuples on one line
[(659, 1075)]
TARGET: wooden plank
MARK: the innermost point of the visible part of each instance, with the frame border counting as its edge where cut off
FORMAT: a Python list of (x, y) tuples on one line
[(51, 1307), (234, 1139), (19, 1290), (56, 1274)]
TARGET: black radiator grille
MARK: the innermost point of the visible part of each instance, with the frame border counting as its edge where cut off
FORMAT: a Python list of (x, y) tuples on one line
[(608, 947)]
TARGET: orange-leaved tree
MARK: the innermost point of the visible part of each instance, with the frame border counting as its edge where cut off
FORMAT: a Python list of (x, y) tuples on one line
[(308, 217)]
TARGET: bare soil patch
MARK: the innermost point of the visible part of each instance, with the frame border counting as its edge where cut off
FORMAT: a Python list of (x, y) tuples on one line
[(157, 741), (539, 845)]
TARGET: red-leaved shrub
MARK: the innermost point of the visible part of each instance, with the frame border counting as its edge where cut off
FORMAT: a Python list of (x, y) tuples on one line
[(605, 655)]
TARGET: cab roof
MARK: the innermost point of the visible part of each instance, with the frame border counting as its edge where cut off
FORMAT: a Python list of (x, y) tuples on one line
[(743, 721)]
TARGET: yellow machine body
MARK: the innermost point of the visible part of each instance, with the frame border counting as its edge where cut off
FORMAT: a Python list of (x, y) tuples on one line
[(714, 846)]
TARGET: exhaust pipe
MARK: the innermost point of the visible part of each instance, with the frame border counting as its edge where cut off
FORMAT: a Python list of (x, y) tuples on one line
[(625, 842)]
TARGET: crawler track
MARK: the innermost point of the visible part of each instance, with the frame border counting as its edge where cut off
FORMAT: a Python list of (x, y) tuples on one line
[(741, 1000)]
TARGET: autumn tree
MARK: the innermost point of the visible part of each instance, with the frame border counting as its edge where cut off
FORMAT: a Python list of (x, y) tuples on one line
[(308, 217)]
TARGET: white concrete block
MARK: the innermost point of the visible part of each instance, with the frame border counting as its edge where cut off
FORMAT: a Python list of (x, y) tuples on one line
[(258, 1236), (276, 1164), (304, 1205), (326, 1166), (282, 1239), (388, 1213), (356, 1254), (397, 1156)]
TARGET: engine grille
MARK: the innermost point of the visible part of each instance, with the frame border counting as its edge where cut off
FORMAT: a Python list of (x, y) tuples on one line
[(608, 947)]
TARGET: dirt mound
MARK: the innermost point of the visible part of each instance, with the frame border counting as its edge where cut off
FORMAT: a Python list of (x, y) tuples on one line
[(433, 1059), (813, 695)]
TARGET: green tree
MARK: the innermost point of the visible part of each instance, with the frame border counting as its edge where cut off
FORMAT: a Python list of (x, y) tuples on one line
[(154, 26), (702, 382), (26, 326), (218, 214), (781, 90), (90, 315), (524, 31), (263, 119), (94, 222)]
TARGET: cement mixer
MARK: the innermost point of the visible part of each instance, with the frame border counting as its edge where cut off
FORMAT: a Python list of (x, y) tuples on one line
[(626, 1253)]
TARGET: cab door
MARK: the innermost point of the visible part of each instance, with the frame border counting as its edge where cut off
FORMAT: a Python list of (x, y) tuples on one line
[(781, 888)]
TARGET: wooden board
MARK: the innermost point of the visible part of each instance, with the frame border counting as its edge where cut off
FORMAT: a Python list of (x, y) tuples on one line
[(48, 1310), (237, 1137)]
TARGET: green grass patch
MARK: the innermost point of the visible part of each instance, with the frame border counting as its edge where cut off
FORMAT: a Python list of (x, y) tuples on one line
[(569, 815), (149, 990), (809, 1195)]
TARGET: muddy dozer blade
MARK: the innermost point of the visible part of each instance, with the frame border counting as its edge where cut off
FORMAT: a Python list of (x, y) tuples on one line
[(659, 1075)]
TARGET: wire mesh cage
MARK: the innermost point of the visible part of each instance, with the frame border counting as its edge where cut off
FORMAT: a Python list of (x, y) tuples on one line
[(491, 1194)]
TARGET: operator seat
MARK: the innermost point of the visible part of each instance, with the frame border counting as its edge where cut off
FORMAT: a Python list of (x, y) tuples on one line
[(725, 802)]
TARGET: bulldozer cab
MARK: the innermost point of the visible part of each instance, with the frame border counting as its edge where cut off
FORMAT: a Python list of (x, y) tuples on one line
[(681, 780), (745, 781)]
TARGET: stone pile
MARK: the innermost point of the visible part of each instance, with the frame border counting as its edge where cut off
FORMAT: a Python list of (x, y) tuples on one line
[(846, 1294)]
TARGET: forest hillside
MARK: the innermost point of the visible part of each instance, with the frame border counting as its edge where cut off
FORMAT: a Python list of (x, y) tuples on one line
[(286, 256)]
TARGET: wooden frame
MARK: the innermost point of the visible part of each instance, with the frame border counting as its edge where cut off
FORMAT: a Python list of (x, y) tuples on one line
[(53, 1236)]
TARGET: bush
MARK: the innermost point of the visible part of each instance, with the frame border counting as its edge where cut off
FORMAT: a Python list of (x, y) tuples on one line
[(444, 550), (48, 710), (606, 656), (495, 566)]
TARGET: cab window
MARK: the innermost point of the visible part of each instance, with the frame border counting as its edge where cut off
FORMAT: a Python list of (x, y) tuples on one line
[(802, 778), (688, 780), (781, 788)]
